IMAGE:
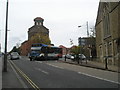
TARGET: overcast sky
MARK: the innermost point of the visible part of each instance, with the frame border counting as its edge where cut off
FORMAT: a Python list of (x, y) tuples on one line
[(61, 17)]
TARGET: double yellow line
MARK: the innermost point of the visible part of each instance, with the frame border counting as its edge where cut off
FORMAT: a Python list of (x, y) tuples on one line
[(25, 76)]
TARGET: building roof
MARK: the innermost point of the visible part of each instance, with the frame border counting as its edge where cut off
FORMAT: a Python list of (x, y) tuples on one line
[(99, 14), (74, 46), (25, 42), (61, 46), (37, 27), (38, 18)]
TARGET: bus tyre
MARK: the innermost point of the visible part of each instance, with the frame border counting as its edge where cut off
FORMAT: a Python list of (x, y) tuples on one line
[(30, 59)]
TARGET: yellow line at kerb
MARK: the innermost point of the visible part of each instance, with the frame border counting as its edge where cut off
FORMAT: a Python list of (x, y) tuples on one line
[(26, 77)]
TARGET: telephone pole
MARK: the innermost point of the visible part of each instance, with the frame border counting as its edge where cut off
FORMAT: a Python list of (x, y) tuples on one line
[(6, 28), (87, 29)]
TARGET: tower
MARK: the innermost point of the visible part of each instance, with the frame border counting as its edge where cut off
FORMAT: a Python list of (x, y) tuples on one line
[(38, 33), (38, 21)]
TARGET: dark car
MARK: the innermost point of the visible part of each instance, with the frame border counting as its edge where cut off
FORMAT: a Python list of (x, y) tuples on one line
[(35, 55)]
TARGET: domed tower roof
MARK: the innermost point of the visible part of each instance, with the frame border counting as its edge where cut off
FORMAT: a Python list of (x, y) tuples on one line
[(38, 21), (38, 18)]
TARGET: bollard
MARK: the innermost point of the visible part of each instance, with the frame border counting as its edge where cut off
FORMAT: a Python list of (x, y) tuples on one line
[(86, 61), (65, 57), (106, 63), (78, 61)]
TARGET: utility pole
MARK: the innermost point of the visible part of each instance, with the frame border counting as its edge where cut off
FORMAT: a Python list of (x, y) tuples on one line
[(6, 28), (71, 41), (87, 29)]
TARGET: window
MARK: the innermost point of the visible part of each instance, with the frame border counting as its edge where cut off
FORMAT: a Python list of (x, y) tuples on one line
[(106, 21)]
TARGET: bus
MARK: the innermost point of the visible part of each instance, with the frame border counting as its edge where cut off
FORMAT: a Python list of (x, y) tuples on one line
[(44, 52)]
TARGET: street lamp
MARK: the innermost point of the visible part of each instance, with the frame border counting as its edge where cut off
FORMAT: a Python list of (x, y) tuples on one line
[(81, 41), (6, 29), (87, 28)]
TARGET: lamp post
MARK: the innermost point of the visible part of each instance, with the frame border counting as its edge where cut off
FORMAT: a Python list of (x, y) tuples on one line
[(81, 41), (80, 50), (5, 52), (86, 27)]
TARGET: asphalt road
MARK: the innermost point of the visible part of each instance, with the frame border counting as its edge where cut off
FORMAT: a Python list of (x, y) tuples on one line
[(55, 74)]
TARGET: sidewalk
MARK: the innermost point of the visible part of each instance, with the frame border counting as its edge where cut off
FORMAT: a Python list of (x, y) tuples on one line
[(11, 79), (0, 73), (93, 64)]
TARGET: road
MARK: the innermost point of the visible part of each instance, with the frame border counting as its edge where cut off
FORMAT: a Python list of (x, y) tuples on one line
[(56, 74)]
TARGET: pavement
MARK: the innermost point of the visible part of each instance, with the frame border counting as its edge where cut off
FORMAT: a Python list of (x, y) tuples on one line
[(93, 64), (11, 79)]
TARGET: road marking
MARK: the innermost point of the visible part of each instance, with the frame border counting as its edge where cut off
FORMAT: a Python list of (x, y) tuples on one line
[(19, 78), (39, 61), (41, 70), (26, 77), (55, 66), (98, 77)]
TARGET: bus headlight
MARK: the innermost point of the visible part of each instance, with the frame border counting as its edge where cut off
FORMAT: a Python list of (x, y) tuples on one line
[(42, 54)]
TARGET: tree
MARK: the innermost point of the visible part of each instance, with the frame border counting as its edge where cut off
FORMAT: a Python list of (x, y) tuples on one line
[(15, 49), (40, 38), (75, 50)]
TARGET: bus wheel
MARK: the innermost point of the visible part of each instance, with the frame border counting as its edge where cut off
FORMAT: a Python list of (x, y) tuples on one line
[(30, 59)]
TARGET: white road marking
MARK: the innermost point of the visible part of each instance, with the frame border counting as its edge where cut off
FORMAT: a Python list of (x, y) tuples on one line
[(41, 70), (55, 66), (98, 77), (39, 61)]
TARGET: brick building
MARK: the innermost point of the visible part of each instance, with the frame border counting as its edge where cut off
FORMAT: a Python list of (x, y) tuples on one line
[(107, 31), (64, 49), (24, 49), (38, 33)]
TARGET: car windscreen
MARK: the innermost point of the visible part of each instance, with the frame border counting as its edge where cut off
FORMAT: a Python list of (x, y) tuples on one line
[(14, 53)]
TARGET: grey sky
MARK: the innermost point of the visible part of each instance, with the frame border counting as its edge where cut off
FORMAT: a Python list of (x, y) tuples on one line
[(61, 17)]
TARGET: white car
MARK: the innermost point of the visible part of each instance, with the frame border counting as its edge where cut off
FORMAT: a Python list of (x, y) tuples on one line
[(14, 55), (72, 57), (68, 56), (82, 56)]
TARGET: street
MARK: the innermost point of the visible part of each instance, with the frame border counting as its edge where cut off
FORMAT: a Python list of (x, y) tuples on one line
[(56, 74)]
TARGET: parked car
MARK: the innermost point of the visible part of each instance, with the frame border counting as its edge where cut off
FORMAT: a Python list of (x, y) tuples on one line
[(82, 56), (70, 56), (14, 55)]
